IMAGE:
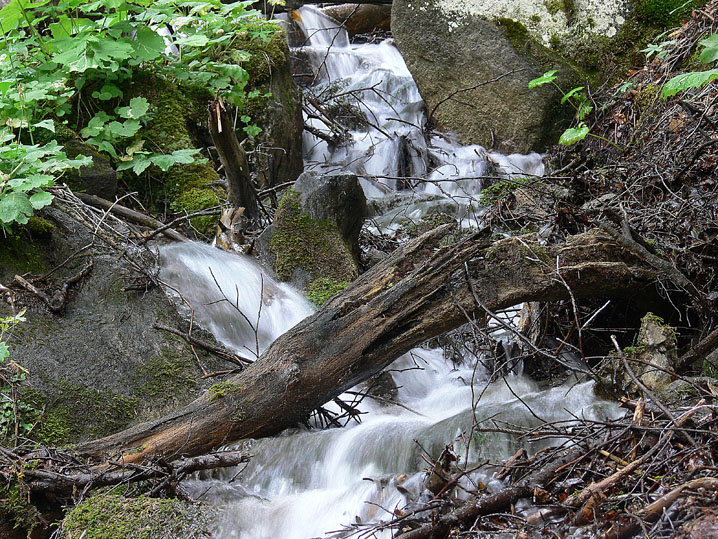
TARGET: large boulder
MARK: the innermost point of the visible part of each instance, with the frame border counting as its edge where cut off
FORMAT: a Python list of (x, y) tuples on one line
[(99, 366), (313, 242), (474, 60)]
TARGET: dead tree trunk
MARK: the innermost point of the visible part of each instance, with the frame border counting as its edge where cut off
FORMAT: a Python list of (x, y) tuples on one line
[(418, 292), (233, 159)]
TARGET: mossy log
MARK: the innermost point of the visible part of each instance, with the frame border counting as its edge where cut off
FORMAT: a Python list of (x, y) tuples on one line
[(419, 292)]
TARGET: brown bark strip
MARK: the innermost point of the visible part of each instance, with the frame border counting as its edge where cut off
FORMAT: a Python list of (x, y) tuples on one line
[(417, 293), (233, 159)]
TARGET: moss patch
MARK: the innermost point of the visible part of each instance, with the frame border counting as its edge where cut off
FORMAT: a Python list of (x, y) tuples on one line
[(222, 389), (300, 242), (109, 516), (166, 379), (76, 412), (320, 290), (15, 508), (20, 255)]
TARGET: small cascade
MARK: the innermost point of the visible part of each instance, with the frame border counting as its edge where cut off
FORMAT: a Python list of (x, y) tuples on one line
[(314, 483)]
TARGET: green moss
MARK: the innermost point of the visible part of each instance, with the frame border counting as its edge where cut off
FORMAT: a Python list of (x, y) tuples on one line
[(165, 379), (74, 412), (222, 389), (16, 509), (38, 227), (179, 110), (666, 13), (555, 6), (20, 255), (515, 32), (110, 516), (301, 242), (491, 194), (320, 290)]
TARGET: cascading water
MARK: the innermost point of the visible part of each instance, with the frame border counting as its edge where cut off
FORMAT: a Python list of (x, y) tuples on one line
[(310, 483)]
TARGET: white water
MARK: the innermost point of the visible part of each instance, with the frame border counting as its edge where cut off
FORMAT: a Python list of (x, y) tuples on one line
[(308, 483)]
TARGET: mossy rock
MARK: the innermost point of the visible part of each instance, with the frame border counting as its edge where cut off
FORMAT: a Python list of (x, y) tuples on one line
[(111, 516), (100, 366), (180, 115), (304, 249)]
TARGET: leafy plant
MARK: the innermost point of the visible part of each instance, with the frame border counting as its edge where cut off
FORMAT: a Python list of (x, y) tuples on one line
[(576, 98), (16, 416), (695, 79), (70, 62)]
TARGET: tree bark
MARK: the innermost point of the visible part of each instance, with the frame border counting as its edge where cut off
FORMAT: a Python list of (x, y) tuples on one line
[(418, 292), (234, 160)]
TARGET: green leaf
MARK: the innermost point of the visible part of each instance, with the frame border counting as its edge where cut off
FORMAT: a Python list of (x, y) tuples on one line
[(574, 135), (4, 352), (571, 94), (126, 129), (46, 124), (252, 130), (546, 78), (41, 199), (163, 161), (710, 53), (140, 164), (12, 14), (15, 207), (185, 156), (194, 40), (148, 44), (137, 109), (107, 92), (683, 82)]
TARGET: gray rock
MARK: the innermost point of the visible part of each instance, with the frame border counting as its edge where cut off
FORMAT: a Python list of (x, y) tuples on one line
[(496, 48), (338, 199), (100, 365), (99, 179)]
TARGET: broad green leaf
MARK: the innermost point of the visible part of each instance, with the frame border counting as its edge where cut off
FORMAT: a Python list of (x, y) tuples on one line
[(148, 44), (137, 109), (107, 92), (11, 16), (710, 53), (28, 183), (194, 40), (185, 156), (252, 130), (41, 199), (15, 207), (106, 49), (547, 77), (140, 164), (46, 124), (681, 83), (571, 94), (574, 135), (163, 161), (126, 129), (4, 351)]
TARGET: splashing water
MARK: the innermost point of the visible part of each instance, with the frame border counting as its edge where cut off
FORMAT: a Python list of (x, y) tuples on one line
[(312, 483)]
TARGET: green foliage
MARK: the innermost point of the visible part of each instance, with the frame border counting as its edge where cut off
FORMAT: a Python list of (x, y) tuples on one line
[(576, 97), (17, 418), (15, 507), (323, 288), (493, 193), (695, 79), (70, 60), (665, 13)]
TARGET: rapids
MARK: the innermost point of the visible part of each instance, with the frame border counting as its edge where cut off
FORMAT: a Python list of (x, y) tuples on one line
[(312, 483)]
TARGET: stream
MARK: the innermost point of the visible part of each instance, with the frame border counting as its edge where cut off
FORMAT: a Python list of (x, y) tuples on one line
[(309, 483)]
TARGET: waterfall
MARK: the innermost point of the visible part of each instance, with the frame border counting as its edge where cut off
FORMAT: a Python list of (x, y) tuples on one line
[(311, 482)]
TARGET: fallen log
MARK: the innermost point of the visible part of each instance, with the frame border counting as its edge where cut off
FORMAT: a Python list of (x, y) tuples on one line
[(418, 292)]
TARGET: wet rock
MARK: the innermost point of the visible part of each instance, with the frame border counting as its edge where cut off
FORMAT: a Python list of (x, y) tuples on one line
[(303, 244), (465, 45), (361, 19), (99, 179), (338, 199), (100, 365)]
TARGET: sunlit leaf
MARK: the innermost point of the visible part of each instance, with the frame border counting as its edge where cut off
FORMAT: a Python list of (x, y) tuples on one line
[(574, 135), (546, 78)]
